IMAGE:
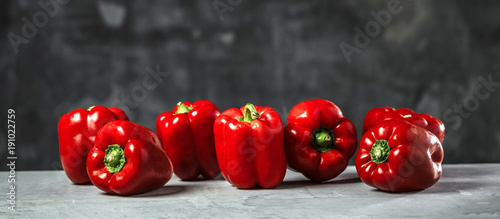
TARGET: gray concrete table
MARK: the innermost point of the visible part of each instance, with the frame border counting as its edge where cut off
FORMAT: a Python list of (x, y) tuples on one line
[(463, 191)]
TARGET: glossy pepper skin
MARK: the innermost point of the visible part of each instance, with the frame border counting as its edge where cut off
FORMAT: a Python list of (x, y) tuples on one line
[(398, 156), (319, 140), (377, 115), (249, 145), (77, 131), (188, 138), (128, 159)]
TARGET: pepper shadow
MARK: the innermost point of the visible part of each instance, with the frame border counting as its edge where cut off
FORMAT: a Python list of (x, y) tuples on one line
[(346, 178), (84, 184), (201, 179), (380, 191), (160, 192)]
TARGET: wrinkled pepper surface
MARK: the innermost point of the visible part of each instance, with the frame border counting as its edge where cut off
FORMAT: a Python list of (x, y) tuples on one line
[(77, 131), (188, 138), (319, 140), (128, 159), (377, 115), (249, 145), (398, 156)]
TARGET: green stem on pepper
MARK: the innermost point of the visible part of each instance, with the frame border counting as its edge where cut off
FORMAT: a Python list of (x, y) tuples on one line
[(380, 151), (323, 139), (251, 113), (114, 158), (181, 108)]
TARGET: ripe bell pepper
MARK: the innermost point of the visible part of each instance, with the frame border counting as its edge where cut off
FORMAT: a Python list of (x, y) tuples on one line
[(77, 131), (128, 159), (377, 115), (319, 140), (398, 156), (249, 145), (188, 138)]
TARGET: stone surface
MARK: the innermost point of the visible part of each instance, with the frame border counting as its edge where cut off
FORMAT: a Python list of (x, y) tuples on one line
[(464, 190)]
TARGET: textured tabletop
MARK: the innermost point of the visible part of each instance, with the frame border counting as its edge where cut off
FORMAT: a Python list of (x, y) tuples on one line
[(464, 190)]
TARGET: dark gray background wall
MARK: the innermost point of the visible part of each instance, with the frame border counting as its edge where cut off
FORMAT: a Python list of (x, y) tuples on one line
[(434, 57)]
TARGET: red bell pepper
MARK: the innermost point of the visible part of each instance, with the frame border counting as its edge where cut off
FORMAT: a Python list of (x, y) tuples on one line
[(398, 156), (128, 159), (249, 145), (377, 115), (118, 112), (319, 140), (188, 138), (77, 131)]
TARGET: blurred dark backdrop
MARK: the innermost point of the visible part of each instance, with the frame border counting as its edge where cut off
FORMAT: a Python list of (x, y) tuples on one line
[(435, 57)]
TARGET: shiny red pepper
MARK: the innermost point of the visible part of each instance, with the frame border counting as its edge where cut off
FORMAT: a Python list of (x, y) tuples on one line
[(188, 138), (77, 131), (319, 140), (377, 115), (128, 159), (398, 156), (249, 145)]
